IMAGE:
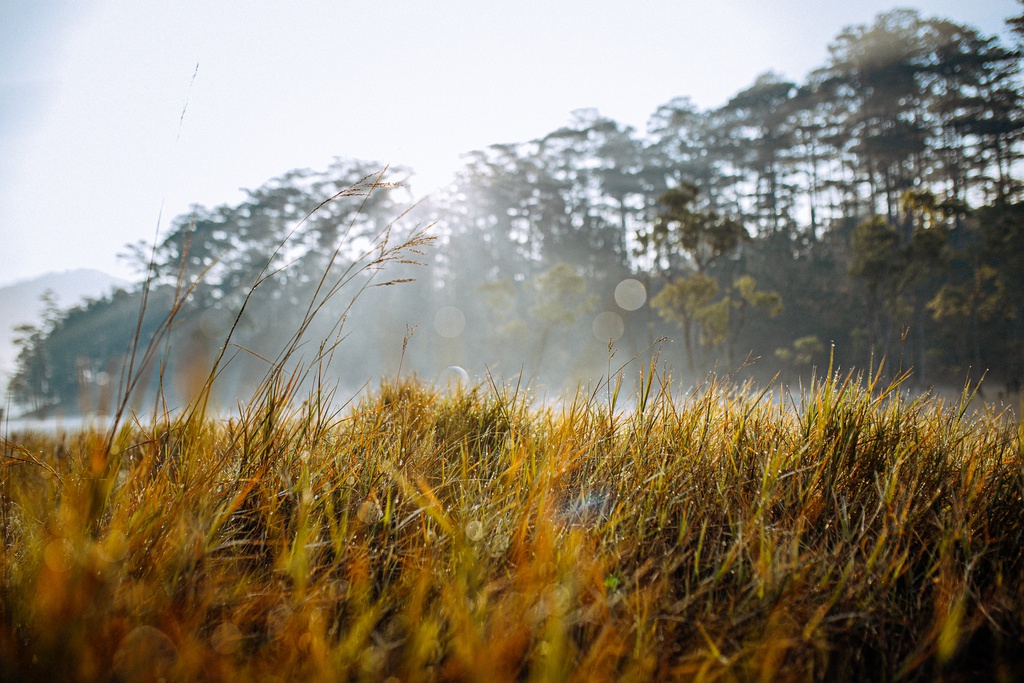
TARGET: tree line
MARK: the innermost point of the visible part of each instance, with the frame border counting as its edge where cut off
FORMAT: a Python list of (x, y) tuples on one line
[(873, 211)]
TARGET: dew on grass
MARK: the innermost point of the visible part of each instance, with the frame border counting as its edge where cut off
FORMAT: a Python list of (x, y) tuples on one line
[(588, 510), (474, 531), (497, 544), (337, 590), (554, 602), (557, 599), (630, 294), (369, 512)]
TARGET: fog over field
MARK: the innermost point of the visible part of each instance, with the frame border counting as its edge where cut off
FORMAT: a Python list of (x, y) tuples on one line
[(856, 208)]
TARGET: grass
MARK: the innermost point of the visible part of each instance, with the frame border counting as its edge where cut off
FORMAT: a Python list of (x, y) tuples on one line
[(424, 535)]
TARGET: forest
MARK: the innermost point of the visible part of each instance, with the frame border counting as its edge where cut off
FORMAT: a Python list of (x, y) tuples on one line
[(871, 215)]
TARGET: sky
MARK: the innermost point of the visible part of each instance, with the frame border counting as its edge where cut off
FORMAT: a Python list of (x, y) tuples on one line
[(117, 115)]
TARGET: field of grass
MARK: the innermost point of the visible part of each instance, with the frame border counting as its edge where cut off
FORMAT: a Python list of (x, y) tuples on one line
[(421, 535), (479, 534)]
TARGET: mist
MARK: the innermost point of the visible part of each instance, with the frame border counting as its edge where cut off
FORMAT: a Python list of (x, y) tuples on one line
[(800, 228)]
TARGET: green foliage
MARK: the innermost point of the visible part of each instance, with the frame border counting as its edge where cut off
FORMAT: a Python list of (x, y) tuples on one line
[(690, 303), (984, 300), (703, 235), (744, 297), (682, 300), (802, 353), (877, 257), (685, 301), (560, 296)]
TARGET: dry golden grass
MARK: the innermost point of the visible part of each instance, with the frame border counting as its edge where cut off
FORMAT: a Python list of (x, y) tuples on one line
[(424, 535)]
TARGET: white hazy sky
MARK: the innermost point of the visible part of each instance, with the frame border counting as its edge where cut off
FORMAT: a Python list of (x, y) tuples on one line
[(93, 141)]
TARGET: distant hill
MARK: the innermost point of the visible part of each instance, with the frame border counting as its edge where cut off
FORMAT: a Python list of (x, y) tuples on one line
[(21, 304)]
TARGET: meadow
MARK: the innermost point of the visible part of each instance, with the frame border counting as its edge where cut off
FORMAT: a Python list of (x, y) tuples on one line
[(422, 534)]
